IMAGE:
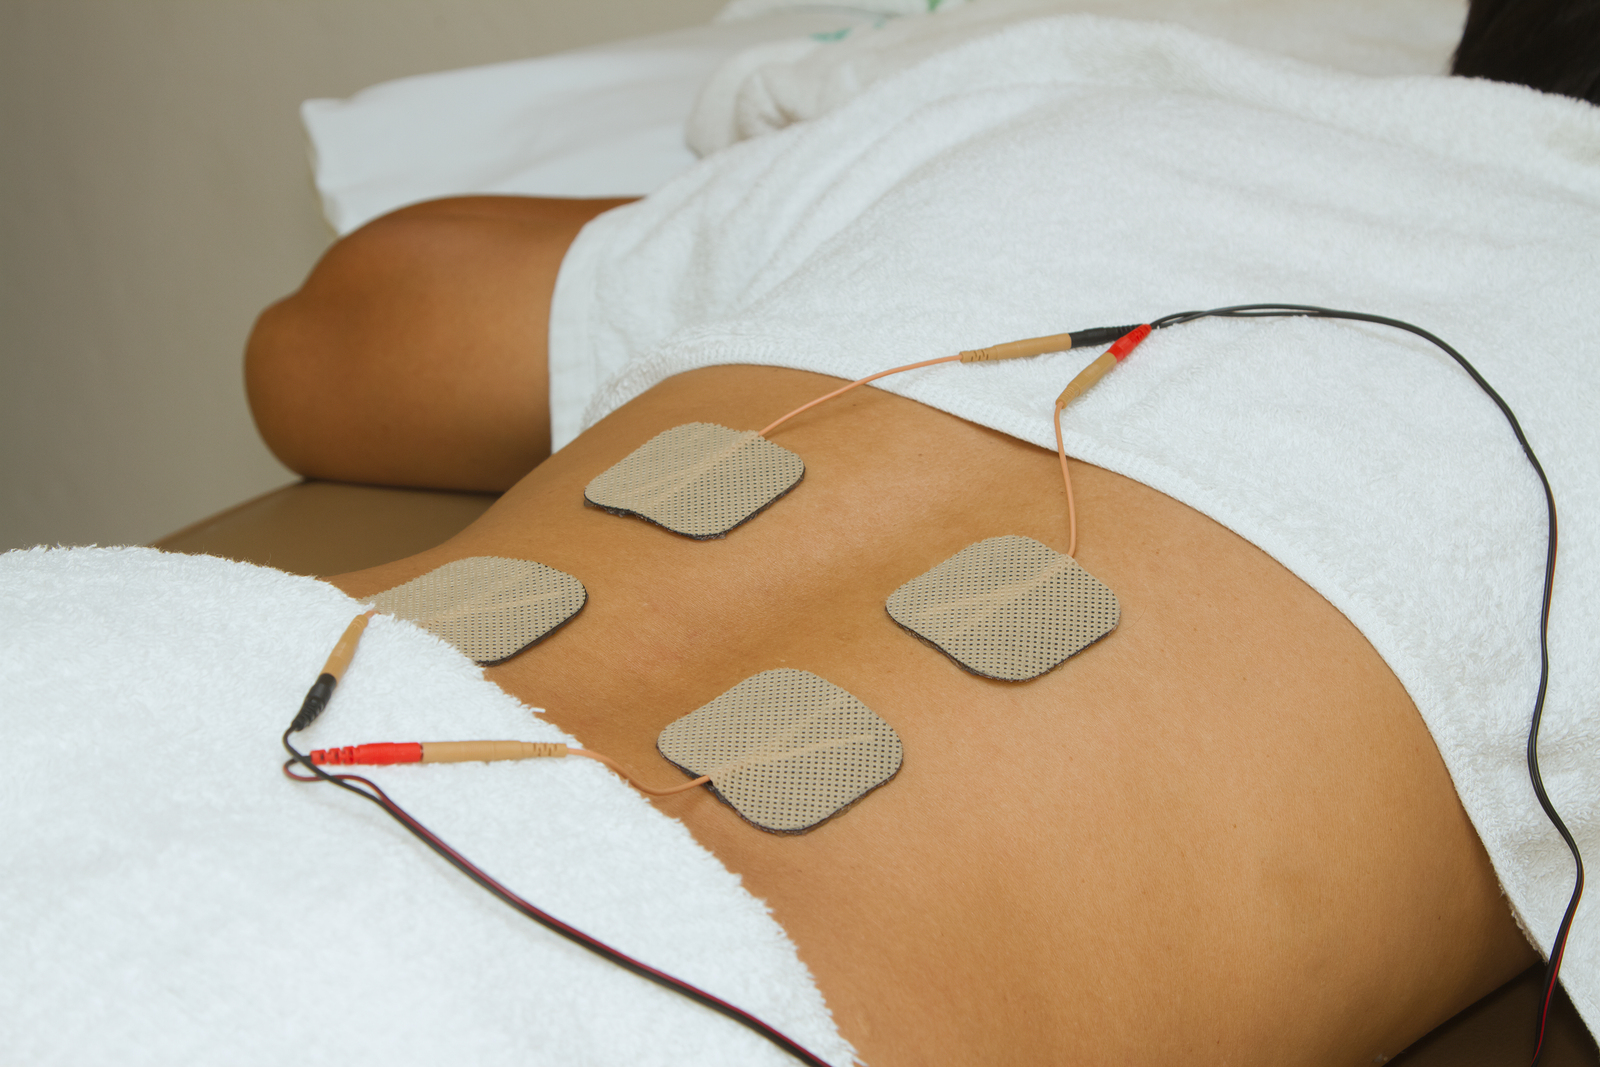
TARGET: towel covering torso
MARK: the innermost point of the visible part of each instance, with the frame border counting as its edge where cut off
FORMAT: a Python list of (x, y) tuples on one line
[(1073, 171)]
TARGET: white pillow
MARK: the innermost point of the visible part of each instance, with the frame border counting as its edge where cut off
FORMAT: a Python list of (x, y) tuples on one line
[(747, 9)]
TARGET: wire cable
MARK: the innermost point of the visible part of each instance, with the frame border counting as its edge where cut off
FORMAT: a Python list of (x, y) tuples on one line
[(1125, 340), (1559, 946), (1066, 479), (1033, 346), (389, 753), (852, 385), (631, 780), (359, 786)]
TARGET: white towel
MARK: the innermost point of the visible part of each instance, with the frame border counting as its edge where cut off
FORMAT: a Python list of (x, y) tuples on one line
[(1077, 171), (169, 897), (770, 85)]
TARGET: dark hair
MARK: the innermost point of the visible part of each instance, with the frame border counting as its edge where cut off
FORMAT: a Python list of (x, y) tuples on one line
[(1551, 45)]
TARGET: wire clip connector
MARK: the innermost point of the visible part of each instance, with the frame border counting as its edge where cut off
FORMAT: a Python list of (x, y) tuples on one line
[(1102, 366), (385, 752)]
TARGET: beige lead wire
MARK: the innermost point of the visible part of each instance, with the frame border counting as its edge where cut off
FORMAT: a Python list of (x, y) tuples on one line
[(1024, 349), (1066, 478), (852, 385), (1076, 388), (1033, 346), (1080, 384), (1086, 378), (617, 767), (1013, 350), (343, 652), (488, 751)]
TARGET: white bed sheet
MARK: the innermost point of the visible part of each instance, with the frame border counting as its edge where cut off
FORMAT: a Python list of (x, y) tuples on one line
[(603, 121)]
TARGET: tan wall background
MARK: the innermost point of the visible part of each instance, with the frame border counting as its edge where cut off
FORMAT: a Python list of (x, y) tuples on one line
[(154, 196)]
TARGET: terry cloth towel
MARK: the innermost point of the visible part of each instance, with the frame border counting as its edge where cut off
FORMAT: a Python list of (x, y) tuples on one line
[(768, 86), (169, 897), (1076, 171)]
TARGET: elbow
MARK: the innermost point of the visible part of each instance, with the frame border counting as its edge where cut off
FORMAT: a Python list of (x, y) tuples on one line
[(283, 389)]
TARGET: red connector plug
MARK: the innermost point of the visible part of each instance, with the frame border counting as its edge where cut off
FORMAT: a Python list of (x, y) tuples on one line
[(1101, 366), (1128, 342), (382, 752)]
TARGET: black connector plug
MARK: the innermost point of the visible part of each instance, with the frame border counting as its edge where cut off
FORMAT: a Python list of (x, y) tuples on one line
[(1100, 335), (317, 698)]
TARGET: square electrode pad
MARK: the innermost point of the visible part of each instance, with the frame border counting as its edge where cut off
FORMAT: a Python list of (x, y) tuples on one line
[(699, 479), (785, 748), (489, 607), (1007, 607)]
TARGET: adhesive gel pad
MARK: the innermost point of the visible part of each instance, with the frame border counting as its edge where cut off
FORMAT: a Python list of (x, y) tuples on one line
[(488, 607), (785, 748), (1007, 608), (699, 479)]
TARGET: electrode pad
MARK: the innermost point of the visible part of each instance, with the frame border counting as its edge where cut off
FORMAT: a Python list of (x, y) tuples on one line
[(785, 748), (1007, 607), (699, 479), (488, 607)]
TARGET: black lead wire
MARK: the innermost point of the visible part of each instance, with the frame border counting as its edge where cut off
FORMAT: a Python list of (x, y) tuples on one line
[(543, 918), (1244, 311)]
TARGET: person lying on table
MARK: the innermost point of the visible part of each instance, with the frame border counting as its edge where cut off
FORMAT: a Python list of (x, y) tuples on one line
[(1223, 835)]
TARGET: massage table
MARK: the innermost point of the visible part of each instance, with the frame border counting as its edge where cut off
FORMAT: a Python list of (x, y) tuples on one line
[(325, 528)]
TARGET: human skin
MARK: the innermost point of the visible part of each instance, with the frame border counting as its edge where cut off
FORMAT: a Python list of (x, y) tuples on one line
[(414, 353), (1222, 834)]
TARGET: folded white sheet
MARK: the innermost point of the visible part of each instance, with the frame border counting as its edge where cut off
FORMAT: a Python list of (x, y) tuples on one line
[(602, 121), (169, 897), (1076, 171)]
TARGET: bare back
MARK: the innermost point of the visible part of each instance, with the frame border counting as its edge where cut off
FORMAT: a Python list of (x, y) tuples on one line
[(1221, 834)]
